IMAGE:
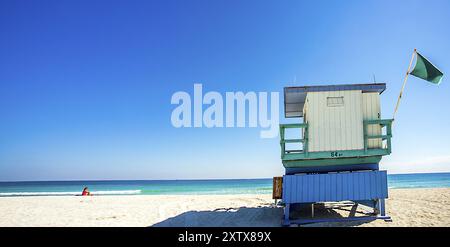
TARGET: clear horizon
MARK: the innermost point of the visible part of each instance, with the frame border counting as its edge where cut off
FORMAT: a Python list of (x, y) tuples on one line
[(86, 86), (181, 179)]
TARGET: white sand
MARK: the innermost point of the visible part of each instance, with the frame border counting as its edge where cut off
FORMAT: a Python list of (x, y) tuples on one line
[(408, 207)]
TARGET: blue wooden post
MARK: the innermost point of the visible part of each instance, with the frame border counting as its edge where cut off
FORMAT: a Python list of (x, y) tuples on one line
[(286, 213), (381, 207)]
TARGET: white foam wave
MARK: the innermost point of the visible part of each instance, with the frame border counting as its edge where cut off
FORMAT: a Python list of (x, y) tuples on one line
[(72, 193)]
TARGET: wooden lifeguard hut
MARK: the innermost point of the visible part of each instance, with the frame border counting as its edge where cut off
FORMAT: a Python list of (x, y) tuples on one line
[(332, 154)]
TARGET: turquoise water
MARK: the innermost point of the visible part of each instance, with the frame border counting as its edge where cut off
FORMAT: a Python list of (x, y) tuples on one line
[(177, 187), (419, 180)]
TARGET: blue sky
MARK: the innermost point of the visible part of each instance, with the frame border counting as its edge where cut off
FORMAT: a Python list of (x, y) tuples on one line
[(85, 86)]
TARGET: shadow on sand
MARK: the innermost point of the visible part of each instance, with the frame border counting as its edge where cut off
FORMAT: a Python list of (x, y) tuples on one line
[(264, 216), (227, 217), (331, 211)]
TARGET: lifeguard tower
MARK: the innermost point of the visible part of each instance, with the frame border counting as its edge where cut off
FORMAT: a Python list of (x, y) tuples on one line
[(332, 154)]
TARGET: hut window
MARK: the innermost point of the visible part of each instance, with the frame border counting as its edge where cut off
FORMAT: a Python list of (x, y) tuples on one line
[(335, 101)]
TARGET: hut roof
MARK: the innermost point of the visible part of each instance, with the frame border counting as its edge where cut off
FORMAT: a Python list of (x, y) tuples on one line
[(294, 97)]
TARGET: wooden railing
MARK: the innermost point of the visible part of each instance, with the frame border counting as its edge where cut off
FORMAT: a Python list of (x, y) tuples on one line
[(384, 123), (304, 153), (283, 140)]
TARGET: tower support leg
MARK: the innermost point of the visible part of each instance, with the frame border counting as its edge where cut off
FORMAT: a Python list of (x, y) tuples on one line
[(381, 207), (287, 208), (382, 210)]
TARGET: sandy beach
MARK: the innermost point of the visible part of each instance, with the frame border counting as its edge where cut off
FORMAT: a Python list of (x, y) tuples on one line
[(408, 207)]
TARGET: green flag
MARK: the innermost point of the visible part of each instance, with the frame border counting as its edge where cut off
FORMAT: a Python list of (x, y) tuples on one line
[(426, 70)]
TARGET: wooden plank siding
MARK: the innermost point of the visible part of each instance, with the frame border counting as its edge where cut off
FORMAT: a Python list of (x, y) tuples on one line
[(334, 127), (371, 111), (367, 185)]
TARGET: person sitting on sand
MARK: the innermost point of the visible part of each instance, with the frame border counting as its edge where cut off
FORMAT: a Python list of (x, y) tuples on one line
[(86, 192)]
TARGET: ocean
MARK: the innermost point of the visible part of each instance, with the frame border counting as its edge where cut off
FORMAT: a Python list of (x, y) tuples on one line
[(189, 187)]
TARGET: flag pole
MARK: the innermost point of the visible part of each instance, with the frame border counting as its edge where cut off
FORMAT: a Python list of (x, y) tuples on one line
[(404, 84)]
